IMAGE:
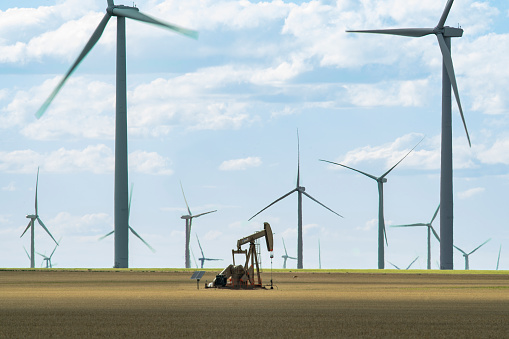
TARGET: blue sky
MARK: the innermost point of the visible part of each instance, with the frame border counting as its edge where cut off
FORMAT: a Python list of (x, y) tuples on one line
[(221, 115)]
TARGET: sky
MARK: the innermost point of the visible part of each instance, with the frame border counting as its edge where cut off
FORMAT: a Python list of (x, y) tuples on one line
[(220, 115)]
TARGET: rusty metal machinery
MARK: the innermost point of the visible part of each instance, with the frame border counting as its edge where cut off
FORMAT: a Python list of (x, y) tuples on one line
[(247, 275)]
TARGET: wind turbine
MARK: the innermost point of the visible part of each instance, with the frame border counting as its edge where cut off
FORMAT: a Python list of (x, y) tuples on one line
[(203, 259), (189, 220), (286, 256), (31, 225), (381, 222), (444, 35), (408, 267), (128, 225), (28, 255), (48, 259), (466, 255), (195, 262), (300, 191), (498, 260), (430, 229), (121, 179)]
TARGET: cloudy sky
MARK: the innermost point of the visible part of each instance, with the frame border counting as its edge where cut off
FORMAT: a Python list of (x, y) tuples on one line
[(221, 114)]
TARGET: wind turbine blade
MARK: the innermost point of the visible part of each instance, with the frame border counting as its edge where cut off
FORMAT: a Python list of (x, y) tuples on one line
[(199, 215), (188, 209), (353, 169), (498, 260), (396, 267), (195, 262), (435, 215), (435, 233), (409, 32), (446, 53), (410, 225), (137, 15), (286, 253), (26, 229), (310, 197), (203, 255), (284, 196), (412, 263), (104, 236), (298, 159), (292, 258), (459, 249), (36, 186), (445, 13), (401, 160), (129, 202), (484, 243), (43, 226), (146, 243), (88, 47), (28, 255), (42, 255)]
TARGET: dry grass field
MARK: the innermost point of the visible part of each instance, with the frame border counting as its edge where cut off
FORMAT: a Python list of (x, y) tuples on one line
[(165, 303)]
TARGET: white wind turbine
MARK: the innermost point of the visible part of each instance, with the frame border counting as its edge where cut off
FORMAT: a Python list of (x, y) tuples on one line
[(189, 220), (121, 178), (444, 35), (408, 267), (466, 255), (381, 221), (203, 258), (31, 225), (129, 225), (300, 191), (430, 229), (48, 259), (286, 256)]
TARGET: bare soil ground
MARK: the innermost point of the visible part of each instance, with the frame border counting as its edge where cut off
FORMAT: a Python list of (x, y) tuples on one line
[(125, 303)]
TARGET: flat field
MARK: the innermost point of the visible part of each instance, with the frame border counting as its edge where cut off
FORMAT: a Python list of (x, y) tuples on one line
[(166, 303)]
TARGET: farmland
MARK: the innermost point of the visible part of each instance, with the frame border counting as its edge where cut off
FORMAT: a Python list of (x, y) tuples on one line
[(166, 303)]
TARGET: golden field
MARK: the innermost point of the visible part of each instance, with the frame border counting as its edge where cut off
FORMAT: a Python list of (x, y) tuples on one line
[(166, 303)]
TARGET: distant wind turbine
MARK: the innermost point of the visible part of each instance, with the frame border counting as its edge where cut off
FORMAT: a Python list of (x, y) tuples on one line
[(408, 267), (31, 225), (286, 256), (189, 220), (466, 255), (129, 225), (192, 254), (444, 35), (28, 255), (430, 229), (498, 260), (121, 179), (203, 258), (381, 222), (48, 259), (300, 191)]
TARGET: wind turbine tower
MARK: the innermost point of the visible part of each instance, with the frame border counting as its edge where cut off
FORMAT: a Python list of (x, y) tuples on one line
[(31, 225), (121, 180), (444, 35), (381, 180), (300, 192)]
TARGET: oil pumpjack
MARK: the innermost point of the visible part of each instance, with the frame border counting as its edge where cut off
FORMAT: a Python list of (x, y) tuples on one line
[(244, 277)]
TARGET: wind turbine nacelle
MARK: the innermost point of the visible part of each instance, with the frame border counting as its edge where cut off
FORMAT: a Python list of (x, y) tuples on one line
[(185, 217), (302, 189), (453, 32), (31, 216), (384, 180)]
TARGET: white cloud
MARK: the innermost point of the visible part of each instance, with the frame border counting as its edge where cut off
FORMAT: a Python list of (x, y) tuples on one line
[(240, 164), (497, 153), (95, 159), (470, 193), (368, 226), (65, 223), (395, 93)]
